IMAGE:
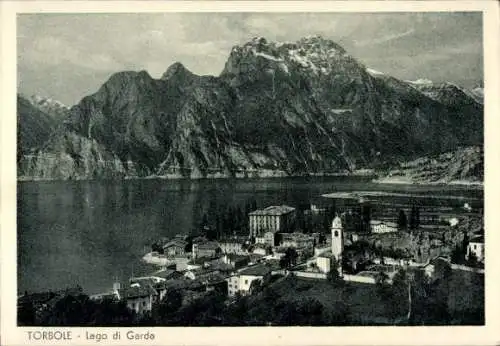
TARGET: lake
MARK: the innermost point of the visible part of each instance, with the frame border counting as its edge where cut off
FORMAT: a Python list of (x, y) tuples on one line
[(89, 232)]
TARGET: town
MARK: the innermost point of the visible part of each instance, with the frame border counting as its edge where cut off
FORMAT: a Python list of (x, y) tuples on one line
[(391, 246)]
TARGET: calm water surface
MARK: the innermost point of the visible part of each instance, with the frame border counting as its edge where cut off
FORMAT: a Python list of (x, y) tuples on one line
[(88, 232)]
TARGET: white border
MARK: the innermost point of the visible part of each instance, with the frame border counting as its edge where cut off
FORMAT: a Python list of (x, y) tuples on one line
[(487, 335)]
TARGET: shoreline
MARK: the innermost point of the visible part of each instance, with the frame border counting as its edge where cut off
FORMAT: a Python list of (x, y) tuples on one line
[(262, 175), (389, 181)]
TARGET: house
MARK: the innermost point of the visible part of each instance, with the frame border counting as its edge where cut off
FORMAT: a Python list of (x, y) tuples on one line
[(297, 240), (255, 258), (476, 248), (266, 238), (241, 282), (168, 274), (180, 284), (139, 298), (324, 262), (261, 249), (200, 274), (274, 219), (378, 226), (236, 261), (175, 247), (234, 245), (437, 268), (208, 249)]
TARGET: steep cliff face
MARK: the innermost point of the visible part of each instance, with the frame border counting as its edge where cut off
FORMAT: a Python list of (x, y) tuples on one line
[(276, 109)]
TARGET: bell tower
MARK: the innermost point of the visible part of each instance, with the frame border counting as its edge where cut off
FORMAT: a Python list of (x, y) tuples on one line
[(337, 241)]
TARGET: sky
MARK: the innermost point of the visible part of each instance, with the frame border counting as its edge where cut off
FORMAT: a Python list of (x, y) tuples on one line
[(69, 56)]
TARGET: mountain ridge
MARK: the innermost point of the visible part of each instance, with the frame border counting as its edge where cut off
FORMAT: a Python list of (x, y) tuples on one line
[(275, 109)]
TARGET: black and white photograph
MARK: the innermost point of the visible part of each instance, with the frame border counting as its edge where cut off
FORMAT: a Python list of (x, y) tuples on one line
[(193, 169)]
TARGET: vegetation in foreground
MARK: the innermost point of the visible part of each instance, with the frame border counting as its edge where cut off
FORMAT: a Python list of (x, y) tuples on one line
[(457, 299)]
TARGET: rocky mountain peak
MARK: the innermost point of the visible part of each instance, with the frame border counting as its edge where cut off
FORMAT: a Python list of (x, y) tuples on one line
[(176, 70), (312, 54)]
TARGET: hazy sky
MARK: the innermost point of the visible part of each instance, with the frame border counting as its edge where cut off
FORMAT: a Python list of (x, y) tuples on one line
[(68, 56)]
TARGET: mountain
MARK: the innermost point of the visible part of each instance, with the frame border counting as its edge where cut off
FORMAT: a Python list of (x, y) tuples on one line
[(296, 108), (35, 127), (463, 165), (49, 106)]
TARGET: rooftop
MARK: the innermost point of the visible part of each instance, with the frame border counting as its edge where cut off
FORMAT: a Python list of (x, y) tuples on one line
[(256, 270), (276, 210), (477, 239), (211, 245), (234, 240), (166, 273), (137, 292), (235, 257), (176, 242), (380, 222)]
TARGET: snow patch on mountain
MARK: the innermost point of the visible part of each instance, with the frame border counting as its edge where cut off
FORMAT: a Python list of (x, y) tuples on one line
[(421, 81), (37, 100), (267, 56), (373, 72)]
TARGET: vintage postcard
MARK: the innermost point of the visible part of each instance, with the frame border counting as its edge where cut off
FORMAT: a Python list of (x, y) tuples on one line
[(309, 173)]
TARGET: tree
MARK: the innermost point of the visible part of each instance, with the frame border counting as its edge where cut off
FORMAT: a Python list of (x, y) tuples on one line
[(290, 258), (414, 217), (402, 220), (457, 255), (256, 286), (253, 205), (333, 275), (366, 216)]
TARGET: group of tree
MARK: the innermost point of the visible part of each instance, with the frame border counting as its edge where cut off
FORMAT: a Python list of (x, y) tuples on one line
[(413, 222), (76, 310), (290, 258), (412, 298), (223, 223), (308, 222)]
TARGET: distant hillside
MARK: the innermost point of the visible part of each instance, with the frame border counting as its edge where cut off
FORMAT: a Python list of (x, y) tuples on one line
[(462, 166), (34, 127)]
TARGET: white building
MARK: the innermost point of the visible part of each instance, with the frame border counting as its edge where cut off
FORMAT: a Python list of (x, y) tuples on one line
[(324, 263), (274, 219), (233, 246), (476, 247), (377, 226), (266, 238), (242, 280)]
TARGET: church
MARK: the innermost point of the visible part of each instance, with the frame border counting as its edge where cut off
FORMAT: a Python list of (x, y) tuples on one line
[(337, 241)]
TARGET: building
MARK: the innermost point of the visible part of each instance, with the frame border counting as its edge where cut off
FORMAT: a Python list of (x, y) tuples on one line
[(297, 240), (201, 274), (261, 249), (324, 262), (266, 238), (242, 281), (208, 249), (236, 261), (274, 219), (378, 226), (175, 247), (476, 247), (139, 298), (337, 241), (437, 268), (233, 245)]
